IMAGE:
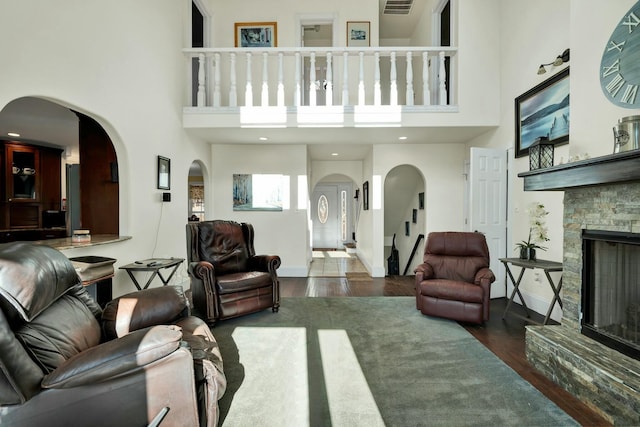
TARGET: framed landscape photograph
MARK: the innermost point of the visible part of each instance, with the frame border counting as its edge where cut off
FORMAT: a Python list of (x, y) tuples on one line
[(258, 192), (256, 34), (358, 33), (543, 111)]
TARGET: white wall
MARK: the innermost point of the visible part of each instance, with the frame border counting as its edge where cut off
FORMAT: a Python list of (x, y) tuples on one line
[(584, 26), (276, 233), (226, 13), (121, 63), (323, 168), (442, 166)]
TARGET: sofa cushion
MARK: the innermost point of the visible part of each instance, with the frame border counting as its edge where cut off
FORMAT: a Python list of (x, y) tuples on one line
[(65, 329), (31, 278)]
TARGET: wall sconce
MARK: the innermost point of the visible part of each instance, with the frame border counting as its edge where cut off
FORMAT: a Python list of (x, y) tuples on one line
[(561, 59), (540, 154)]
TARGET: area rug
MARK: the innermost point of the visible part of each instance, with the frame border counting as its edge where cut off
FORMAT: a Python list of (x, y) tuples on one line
[(368, 361)]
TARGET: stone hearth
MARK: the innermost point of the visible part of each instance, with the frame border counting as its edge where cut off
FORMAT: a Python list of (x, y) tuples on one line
[(603, 378)]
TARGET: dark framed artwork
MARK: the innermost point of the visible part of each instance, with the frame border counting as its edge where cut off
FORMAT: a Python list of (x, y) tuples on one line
[(414, 217), (543, 111), (420, 200), (164, 173), (365, 196)]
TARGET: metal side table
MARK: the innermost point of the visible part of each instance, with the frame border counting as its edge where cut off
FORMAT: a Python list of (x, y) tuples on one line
[(525, 264), (154, 265)]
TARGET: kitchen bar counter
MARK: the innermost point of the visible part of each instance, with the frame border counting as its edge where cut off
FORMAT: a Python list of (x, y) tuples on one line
[(96, 239)]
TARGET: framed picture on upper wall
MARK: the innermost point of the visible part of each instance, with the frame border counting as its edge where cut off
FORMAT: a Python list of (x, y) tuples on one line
[(358, 33), (543, 111), (256, 34)]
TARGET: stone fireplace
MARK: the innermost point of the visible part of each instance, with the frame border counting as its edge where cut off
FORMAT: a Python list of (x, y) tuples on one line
[(601, 195)]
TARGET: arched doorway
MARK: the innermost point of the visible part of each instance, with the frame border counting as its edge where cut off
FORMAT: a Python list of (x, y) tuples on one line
[(91, 199), (404, 216)]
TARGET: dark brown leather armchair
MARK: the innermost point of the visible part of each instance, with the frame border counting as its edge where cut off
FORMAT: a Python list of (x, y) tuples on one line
[(454, 280), (227, 278), (66, 362)]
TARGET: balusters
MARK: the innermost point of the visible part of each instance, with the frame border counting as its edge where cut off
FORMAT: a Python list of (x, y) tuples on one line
[(393, 78), (264, 98), (345, 79), (216, 80), (409, 90), (233, 91), (201, 91), (280, 101), (298, 91), (361, 99), (312, 79), (377, 96), (329, 82), (426, 93), (442, 79), (214, 76), (248, 90)]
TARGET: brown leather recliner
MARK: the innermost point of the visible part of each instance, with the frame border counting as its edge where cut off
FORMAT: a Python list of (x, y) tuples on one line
[(227, 278), (66, 362), (454, 280)]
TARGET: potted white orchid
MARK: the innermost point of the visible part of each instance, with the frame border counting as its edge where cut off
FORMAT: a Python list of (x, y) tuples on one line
[(537, 232)]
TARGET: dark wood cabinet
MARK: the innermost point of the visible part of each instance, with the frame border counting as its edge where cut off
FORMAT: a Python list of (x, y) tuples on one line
[(32, 184)]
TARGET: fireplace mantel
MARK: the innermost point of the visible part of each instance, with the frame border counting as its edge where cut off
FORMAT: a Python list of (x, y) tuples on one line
[(619, 167)]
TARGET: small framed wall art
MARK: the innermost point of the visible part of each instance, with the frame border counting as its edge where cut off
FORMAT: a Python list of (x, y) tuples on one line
[(358, 34), (256, 34), (164, 173), (365, 196)]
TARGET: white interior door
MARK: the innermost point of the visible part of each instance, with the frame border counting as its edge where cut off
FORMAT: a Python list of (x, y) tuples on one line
[(324, 215), (488, 206)]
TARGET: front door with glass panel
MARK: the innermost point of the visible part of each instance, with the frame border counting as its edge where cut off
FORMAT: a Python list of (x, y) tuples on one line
[(325, 212)]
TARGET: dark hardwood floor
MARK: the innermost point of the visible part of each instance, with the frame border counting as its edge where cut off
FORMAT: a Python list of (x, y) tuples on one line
[(504, 337)]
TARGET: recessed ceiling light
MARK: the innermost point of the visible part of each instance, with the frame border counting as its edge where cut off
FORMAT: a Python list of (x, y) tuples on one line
[(263, 138), (334, 154), (15, 135), (402, 138)]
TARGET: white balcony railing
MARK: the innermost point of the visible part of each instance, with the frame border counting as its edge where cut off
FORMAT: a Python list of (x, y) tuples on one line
[(284, 77)]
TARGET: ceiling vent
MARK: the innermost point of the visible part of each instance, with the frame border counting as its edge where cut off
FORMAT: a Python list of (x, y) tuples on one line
[(397, 7)]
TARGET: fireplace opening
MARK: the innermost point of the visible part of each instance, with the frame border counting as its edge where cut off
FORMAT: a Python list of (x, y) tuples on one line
[(611, 289)]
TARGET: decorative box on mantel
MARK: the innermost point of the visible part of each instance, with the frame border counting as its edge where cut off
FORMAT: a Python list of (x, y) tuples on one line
[(540, 154)]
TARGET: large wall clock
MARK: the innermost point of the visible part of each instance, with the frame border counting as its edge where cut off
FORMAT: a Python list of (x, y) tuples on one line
[(620, 65)]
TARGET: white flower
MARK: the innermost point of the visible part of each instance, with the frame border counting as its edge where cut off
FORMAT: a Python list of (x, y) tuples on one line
[(538, 232)]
